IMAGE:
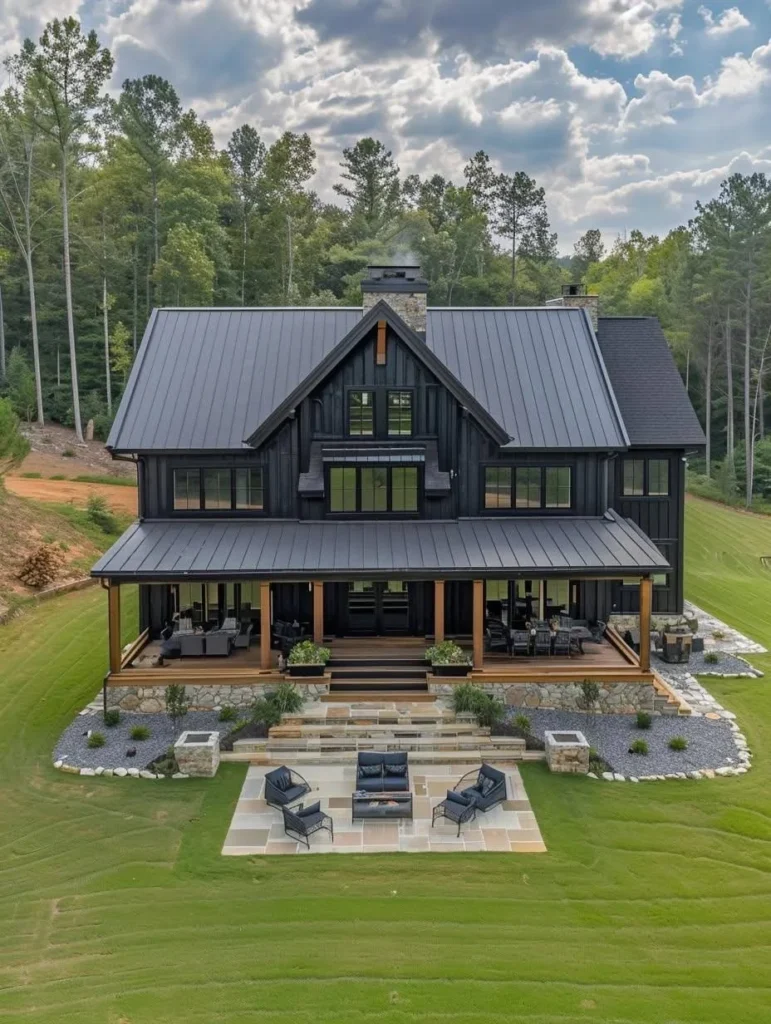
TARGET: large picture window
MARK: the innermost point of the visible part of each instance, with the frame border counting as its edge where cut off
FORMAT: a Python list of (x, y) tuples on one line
[(497, 487), (646, 478), (557, 487), (528, 487), (399, 413), (373, 489), (219, 490), (361, 413)]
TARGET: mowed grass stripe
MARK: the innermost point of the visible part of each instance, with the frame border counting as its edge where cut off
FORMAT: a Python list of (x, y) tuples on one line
[(652, 904)]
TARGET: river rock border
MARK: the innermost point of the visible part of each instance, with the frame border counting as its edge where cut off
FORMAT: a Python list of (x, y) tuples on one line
[(115, 773)]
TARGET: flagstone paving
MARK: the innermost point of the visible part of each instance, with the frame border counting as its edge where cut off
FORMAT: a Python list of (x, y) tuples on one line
[(258, 829)]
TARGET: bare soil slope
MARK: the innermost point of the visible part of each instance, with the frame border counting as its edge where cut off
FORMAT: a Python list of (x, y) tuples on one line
[(73, 492)]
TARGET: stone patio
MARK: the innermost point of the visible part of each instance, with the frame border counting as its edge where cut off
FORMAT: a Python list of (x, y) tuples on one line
[(511, 827)]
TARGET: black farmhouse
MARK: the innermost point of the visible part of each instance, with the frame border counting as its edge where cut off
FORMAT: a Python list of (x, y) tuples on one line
[(401, 470)]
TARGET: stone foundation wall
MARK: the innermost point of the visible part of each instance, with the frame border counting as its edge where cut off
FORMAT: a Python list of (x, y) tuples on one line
[(614, 698), (202, 697)]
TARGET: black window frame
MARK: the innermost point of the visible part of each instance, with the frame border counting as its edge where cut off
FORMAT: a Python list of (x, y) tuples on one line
[(232, 511), (389, 512), (646, 461), (380, 393), (524, 510), (400, 391), (360, 391)]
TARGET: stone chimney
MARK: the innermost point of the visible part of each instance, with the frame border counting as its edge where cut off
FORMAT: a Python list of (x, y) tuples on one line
[(401, 285), (575, 295)]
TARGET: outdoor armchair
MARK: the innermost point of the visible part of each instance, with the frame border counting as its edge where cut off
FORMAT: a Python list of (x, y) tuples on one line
[(456, 808), (562, 642), (301, 823), (520, 641), (487, 789), (283, 786), (497, 637)]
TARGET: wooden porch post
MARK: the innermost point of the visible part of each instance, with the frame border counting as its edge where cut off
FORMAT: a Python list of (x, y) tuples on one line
[(318, 612), (479, 623), (265, 624), (113, 626), (438, 611), (646, 603)]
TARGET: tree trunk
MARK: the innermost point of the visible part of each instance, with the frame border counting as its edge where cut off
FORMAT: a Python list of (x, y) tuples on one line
[(290, 245), (708, 411), (243, 263), (106, 322), (513, 262), (31, 284), (135, 307), (68, 297), (749, 433), (155, 216), (2, 337), (729, 373)]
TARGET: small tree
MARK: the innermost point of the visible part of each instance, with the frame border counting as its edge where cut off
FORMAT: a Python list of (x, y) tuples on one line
[(13, 446), (20, 382), (177, 704)]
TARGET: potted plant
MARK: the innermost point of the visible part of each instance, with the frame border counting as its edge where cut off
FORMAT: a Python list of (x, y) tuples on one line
[(448, 659), (307, 659)]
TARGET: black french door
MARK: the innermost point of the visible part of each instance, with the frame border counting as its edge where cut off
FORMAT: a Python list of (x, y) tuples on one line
[(378, 609)]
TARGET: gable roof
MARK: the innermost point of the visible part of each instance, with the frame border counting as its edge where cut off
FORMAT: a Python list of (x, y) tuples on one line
[(650, 391), (209, 379)]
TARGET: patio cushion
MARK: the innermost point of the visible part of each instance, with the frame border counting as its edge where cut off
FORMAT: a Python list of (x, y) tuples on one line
[(371, 771), (294, 793), (470, 794), (311, 809), (487, 784), (458, 798), (395, 769), (282, 780)]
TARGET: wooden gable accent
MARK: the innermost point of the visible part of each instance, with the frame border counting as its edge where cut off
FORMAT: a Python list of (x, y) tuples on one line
[(380, 350)]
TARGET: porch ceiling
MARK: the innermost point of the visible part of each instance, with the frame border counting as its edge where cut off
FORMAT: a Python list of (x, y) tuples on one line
[(161, 550)]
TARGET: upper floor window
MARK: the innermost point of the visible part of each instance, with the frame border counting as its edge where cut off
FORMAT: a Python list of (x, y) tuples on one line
[(643, 477), (399, 413), (219, 490), (187, 488), (526, 487), (361, 413), (373, 489)]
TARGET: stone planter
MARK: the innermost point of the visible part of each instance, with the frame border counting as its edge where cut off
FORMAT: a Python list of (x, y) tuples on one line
[(306, 670), (567, 752), (198, 753), (451, 670)]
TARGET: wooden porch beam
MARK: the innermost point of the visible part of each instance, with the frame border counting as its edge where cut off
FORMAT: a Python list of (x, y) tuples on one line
[(113, 627), (438, 611), (265, 624), (646, 605), (479, 623), (318, 612)]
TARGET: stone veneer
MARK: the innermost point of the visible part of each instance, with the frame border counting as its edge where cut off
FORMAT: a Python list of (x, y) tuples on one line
[(198, 759), (620, 698), (410, 306), (567, 756), (151, 699)]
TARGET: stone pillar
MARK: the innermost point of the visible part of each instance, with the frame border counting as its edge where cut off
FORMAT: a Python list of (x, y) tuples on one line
[(198, 753), (567, 752)]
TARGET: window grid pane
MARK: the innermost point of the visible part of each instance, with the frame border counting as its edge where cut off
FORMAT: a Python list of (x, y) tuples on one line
[(528, 487), (342, 486), (399, 413), (361, 413), (187, 489), (558, 487), (658, 477), (374, 489), (634, 477), (249, 492), (404, 489), (497, 487), (216, 489)]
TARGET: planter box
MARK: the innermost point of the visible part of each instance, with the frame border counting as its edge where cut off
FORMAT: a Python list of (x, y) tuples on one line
[(451, 670), (306, 670)]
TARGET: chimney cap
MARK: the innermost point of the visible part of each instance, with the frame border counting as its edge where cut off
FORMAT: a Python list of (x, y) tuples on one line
[(399, 274), (574, 288)]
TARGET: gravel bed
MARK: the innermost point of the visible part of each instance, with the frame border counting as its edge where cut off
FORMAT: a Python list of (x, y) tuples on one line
[(728, 665), (710, 742), (72, 748)]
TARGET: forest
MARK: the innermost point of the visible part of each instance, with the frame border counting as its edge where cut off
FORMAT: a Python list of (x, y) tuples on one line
[(112, 203)]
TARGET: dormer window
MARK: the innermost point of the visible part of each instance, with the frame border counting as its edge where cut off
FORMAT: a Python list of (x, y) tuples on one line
[(361, 413), (399, 413)]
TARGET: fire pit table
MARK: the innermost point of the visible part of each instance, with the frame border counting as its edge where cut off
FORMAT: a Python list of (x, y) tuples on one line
[(380, 805)]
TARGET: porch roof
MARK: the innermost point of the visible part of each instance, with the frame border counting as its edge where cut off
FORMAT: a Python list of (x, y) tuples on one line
[(282, 549)]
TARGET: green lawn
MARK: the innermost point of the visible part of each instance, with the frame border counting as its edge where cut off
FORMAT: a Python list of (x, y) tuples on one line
[(651, 907)]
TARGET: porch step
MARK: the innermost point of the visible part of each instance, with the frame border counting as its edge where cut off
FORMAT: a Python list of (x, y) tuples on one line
[(355, 693), (381, 661), (377, 686), (385, 672)]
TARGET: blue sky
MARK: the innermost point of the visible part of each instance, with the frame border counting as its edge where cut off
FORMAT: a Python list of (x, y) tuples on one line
[(627, 111)]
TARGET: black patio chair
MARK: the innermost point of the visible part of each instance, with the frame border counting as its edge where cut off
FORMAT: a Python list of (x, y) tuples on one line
[(497, 637), (284, 786), (456, 808), (565, 621), (302, 822), (542, 641), (487, 790), (562, 645), (520, 641), (598, 631)]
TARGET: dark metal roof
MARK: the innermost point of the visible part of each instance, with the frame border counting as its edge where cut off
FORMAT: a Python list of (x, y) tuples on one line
[(538, 372), (207, 379), (650, 391), (288, 549)]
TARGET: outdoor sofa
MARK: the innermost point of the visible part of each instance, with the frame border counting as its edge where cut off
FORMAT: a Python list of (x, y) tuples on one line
[(382, 773)]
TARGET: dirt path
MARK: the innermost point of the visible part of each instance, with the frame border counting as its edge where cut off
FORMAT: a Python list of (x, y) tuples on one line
[(119, 498)]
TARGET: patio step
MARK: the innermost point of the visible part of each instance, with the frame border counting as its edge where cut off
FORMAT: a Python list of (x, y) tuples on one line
[(446, 744), (347, 694), (356, 728), (417, 757)]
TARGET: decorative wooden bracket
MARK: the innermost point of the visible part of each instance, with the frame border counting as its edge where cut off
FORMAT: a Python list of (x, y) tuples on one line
[(380, 351)]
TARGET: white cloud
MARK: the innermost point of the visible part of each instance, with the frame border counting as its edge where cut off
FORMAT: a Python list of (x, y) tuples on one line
[(729, 21), (741, 76), (662, 95)]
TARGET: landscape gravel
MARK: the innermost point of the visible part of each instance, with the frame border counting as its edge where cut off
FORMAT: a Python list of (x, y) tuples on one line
[(710, 742), (727, 665), (72, 747)]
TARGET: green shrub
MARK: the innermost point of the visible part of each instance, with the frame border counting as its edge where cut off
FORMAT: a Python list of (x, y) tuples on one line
[(447, 653), (265, 712), (718, 634), (139, 732), (96, 739), (644, 720), (111, 717), (99, 514), (58, 476), (464, 698), (286, 699), (309, 653), (678, 743), (32, 476), (522, 722), (177, 704), (227, 713), (68, 453), (471, 699), (590, 693), (638, 747), (711, 658)]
